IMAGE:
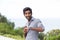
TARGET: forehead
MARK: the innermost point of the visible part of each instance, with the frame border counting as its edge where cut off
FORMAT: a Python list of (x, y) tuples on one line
[(28, 11)]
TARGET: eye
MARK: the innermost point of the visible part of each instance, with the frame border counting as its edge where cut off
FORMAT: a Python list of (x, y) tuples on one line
[(29, 13), (25, 13)]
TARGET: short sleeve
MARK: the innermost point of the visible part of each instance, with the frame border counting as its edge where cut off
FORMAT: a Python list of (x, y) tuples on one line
[(39, 24)]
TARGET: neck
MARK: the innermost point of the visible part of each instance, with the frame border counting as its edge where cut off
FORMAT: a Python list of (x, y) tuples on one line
[(29, 19)]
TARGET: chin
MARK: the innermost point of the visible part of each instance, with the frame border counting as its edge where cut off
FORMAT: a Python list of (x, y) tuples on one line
[(28, 19)]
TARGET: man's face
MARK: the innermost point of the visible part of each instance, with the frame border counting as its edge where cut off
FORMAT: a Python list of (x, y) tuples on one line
[(28, 14)]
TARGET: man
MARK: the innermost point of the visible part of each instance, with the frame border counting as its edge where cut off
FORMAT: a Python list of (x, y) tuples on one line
[(33, 26)]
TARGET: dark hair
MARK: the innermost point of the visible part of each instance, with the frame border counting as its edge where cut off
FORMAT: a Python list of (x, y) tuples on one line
[(26, 9)]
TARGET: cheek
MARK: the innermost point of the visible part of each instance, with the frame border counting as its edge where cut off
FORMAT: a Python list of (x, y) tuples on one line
[(30, 15)]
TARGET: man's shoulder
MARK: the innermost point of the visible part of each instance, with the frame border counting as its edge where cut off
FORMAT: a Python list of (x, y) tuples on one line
[(37, 20)]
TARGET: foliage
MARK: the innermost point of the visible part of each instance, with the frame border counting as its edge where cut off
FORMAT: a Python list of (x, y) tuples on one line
[(53, 35), (41, 36), (7, 27)]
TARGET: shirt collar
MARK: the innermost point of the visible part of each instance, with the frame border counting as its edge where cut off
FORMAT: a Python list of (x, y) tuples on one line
[(32, 19)]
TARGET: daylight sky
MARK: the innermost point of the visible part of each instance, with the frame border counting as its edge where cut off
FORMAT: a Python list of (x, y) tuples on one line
[(46, 10)]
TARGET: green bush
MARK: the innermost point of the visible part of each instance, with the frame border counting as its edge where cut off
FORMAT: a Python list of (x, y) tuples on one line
[(53, 35)]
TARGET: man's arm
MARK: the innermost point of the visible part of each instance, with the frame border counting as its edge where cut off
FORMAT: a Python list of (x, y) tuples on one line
[(39, 29)]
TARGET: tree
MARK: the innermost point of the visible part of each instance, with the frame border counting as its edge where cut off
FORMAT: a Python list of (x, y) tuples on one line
[(0, 17), (19, 31), (53, 35), (41, 36), (3, 18), (5, 25)]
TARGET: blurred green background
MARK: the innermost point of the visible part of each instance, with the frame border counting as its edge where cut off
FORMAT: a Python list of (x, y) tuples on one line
[(7, 29)]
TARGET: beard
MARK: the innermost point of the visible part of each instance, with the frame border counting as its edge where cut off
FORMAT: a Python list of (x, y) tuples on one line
[(28, 18)]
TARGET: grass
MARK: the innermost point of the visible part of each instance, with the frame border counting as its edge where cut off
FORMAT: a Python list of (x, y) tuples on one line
[(17, 37)]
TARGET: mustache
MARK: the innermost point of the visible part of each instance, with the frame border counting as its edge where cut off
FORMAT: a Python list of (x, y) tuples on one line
[(27, 16)]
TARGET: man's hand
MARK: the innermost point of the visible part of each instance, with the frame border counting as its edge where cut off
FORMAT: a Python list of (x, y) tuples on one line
[(25, 31)]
